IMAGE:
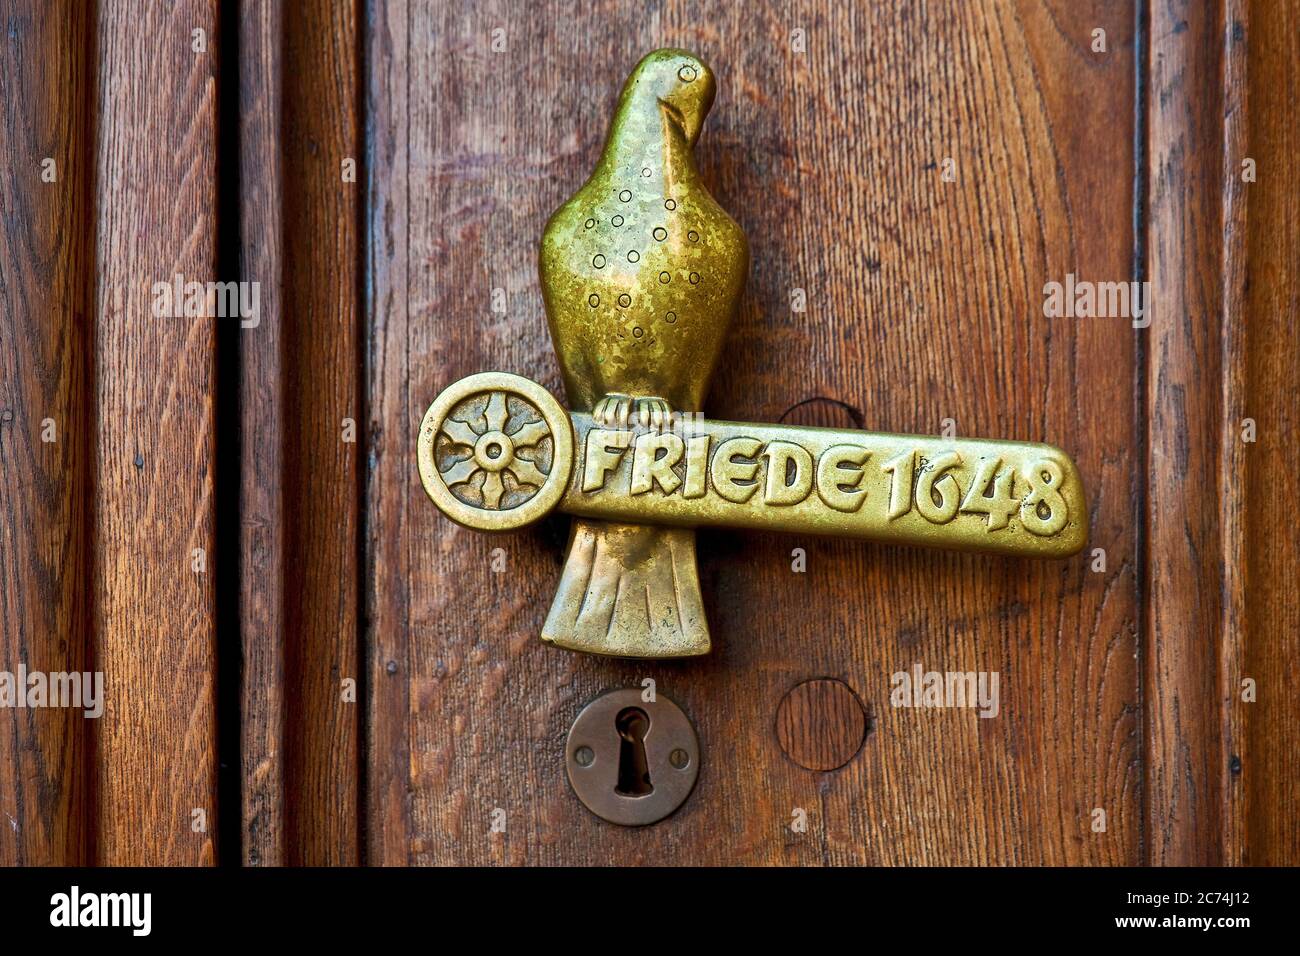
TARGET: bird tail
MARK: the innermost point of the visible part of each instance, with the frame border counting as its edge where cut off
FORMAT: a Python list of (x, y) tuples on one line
[(629, 591)]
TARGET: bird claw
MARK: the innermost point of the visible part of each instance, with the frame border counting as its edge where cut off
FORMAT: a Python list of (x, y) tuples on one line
[(622, 411), (654, 413), (612, 411)]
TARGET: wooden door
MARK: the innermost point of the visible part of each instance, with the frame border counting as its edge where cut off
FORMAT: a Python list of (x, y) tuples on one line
[(351, 678)]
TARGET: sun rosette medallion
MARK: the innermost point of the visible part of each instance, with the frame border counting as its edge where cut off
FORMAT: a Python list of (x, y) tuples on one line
[(495, 451)]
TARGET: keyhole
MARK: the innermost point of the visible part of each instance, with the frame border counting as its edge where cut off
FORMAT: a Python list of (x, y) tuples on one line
[(633, 771)]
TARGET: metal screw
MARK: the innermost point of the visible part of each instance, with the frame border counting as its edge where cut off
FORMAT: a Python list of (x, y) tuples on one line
[(679, 758), (584, 756)]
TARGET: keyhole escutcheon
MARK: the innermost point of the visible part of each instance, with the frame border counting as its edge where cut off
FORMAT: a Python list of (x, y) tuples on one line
[(632, 761)]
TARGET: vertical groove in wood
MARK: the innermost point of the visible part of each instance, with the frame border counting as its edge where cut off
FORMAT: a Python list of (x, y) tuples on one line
[(1222, 772), (262, 403), (45, 429), (388, 479), (1264, 778), (155, 799), (1233, 504), (321, 355)]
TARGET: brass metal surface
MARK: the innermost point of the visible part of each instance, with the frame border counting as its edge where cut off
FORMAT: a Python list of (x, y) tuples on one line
[(641, 274), (966, 494), (495, 451), (641, 269)]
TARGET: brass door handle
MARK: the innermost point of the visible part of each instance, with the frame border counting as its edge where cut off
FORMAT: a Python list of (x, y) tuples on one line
[(973, 494), (497, 451), (641, 273)]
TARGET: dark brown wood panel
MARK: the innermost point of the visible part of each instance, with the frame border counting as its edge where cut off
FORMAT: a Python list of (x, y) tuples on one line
[(45, 430), (1220, 761), (1184, 765), (322, 355), (264, 407), (1264, 758), (914, 173), (925, 302), (389, 481), (302, 425), (155, 637)]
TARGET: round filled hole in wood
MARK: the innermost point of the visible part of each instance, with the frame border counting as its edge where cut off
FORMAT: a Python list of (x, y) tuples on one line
[(821, 724)]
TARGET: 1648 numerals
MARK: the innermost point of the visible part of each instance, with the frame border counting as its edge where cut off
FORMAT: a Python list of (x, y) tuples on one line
[(930, 486)]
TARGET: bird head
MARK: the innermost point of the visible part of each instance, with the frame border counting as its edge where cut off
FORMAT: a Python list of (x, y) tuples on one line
[(682, 83)]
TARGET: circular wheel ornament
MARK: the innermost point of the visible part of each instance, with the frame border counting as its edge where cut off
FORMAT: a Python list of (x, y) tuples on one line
[(495, 451)]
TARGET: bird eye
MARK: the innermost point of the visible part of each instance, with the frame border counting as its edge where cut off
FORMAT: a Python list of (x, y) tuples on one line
[(686, 74)]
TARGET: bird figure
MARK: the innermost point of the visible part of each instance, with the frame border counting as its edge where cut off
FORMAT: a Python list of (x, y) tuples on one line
[(641, 273)]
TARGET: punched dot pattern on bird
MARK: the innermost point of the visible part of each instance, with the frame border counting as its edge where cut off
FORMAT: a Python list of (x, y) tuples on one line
[(639, 313)]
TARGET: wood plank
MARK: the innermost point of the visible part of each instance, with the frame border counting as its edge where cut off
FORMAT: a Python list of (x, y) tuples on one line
[(1221, 771), (322, 359), (1230, 841), (1187, 636), (388, 484), (925, 303), (262, 414), (1263, 761), (45, 428), (155, 756)]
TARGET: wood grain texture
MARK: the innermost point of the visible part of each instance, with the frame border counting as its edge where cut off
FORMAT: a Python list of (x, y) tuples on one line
[(301, 423), (155, 754), (925, 302), (263, 410), (1121, 688), (45, 259), (322, 358), (1230, 841), (388, 484), (1261, 346), (1221, 771), (821, 724), (1183, 762), (1221, 775)]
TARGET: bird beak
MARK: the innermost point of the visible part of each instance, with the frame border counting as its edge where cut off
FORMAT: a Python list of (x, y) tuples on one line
[(688, 112), (691, 126), (690, 130)]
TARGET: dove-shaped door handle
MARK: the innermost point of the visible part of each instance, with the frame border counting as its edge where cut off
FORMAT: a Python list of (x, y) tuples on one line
[(641, 273), (497, 452)]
